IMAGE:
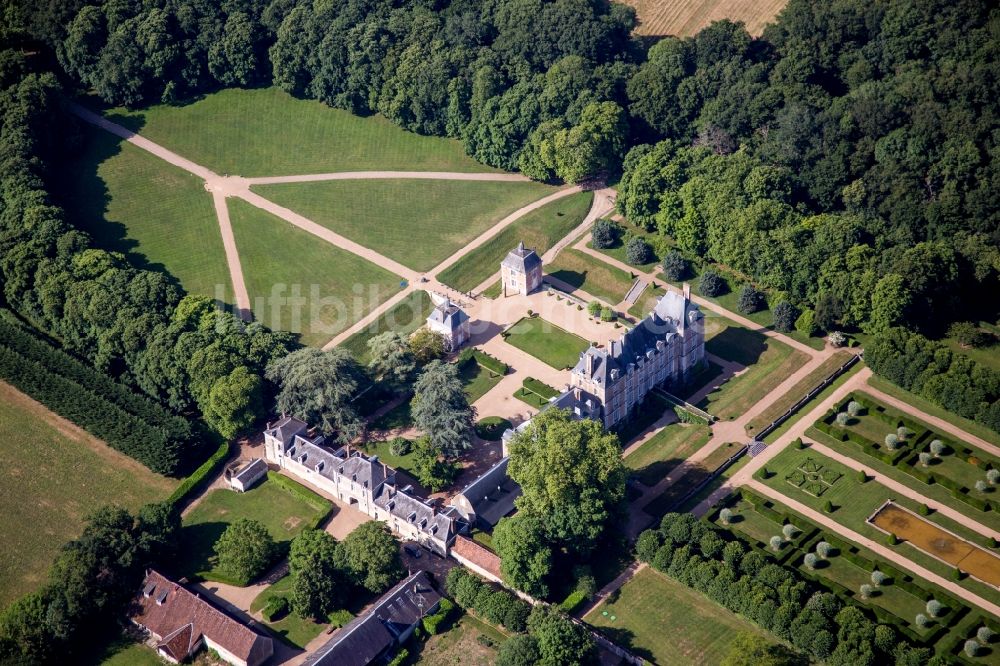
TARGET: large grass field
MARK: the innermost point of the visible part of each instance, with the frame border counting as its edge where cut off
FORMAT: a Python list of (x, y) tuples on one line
[(684, 18), (158, 215), (419, 223), (405, 317), (300, 283), (540, 230), (768, 362), (52, 474), (583, 271), (282, 511), (546, 342), (267, 132), (665, 450), (667, 622)]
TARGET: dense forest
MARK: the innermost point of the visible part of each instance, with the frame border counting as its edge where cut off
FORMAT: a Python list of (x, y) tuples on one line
[(844, 161)]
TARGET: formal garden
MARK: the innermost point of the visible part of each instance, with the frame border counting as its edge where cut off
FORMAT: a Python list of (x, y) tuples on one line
[(535, 393), (916, 608), (911, 452)]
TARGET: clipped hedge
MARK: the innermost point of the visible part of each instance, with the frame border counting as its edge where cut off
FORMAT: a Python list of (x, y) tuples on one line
[(488, 362), (432, 623), (541, 389), (194, 482), (137, 426), (275, 607), (573, 601)]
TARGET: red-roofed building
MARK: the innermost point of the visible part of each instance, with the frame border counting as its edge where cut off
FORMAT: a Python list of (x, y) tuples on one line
[(182, 622), (476, 557)]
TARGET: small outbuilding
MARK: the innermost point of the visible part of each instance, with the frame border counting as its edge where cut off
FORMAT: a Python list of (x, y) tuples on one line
[(521, 271), (242, 475), (450, 321)]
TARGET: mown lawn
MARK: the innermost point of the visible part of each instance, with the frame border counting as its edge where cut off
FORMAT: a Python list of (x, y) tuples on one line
[(419, 223), (539, 230), (291, 628), (158, 215), (667, 622), (405, 317), (582, 271), (300, 283), (125, 652), (477, 380), (665, 450), (799, 391), (547, 342), (267, 132), (282, 511), (768, 362), (52, 474)]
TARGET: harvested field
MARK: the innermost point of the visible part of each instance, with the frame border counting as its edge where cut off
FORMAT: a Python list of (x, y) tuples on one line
[(938, 542), (684, 18)]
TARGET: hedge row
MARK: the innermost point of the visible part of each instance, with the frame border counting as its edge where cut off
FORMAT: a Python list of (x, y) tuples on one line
[(493, 364), (541, 389), (852, 554), (149, 444), (32, 346), (194, 482), (494, 604), (275, 607), (432, 623)]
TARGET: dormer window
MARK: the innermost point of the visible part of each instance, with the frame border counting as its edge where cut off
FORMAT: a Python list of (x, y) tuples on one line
[(320, 465), (305, 456), (148, 590), (392, 504), (412, 516), (161, 597)]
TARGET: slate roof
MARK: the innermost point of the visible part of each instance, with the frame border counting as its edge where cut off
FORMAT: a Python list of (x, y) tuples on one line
[(448, 314), (492, 495), (670, 316), (365, 638), (286, 428), (181, 618), (249, 472), (522, 259), (381, 482)]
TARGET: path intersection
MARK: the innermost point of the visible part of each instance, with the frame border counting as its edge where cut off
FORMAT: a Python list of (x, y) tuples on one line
[(494, 315)]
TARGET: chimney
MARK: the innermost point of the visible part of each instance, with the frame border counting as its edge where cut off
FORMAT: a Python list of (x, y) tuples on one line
[(686, 289), (589, 363), (576, 394)]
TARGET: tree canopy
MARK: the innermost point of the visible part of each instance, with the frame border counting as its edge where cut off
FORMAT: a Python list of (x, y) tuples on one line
[(317, 386)]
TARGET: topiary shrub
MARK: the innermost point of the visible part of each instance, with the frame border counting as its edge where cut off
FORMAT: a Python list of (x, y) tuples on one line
[(971, 648), (607, 314), (879, 578), (984, 635), (400, 446), (892, 539), (712, 284), (750, 300), (824, 549), (937, 448), (725, 516), (594, 308), (276, 607), (785, 315), (934, 608), (604, 234), (810, 560), (638, 251), (854, 408), (776, 542), (675, 266), (843, 418), (806, 323)]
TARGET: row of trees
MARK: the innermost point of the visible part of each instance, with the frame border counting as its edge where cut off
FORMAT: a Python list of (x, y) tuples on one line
[(542, 635), (132, 324), (929, 369), (573, 492), (89, 586), (778, 599)]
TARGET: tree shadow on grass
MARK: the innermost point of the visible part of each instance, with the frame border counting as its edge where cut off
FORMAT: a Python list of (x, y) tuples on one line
[(197, 547), (626, 638), (739, 345)]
